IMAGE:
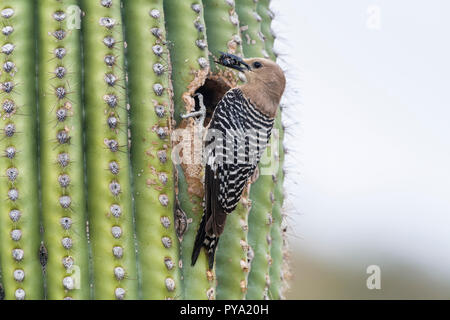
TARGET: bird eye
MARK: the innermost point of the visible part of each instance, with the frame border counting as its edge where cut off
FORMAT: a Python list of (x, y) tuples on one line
[(257, 65)]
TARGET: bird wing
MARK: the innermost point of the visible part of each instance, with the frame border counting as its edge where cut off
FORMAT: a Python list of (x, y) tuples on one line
[(235, 140), (225, 178)]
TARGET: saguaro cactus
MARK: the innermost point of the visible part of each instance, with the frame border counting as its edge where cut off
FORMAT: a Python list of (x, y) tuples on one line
[(103, 187)]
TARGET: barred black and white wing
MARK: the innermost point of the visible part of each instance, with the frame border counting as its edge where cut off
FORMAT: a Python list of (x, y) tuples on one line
[(236, 138)]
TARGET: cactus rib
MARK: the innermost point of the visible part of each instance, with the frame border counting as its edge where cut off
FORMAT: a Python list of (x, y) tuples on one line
[(108, 179), (266, 15), (61, 111), (151, 124), (19, 206), (276, 249)]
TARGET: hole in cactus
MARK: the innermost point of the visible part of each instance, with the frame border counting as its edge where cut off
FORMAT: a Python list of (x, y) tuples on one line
[(213, 90)]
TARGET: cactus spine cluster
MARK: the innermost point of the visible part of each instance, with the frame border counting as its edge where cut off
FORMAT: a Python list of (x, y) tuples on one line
[(101, 181)]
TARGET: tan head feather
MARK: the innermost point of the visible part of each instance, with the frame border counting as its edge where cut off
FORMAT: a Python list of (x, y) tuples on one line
[(265, 85)]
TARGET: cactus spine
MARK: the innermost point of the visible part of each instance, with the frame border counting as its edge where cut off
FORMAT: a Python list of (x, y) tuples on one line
[(151, 125), (231, 262), (61, 151), (108, 179), (19, 207)]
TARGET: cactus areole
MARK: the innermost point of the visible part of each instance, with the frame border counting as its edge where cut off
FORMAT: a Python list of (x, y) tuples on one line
[(104, 106)]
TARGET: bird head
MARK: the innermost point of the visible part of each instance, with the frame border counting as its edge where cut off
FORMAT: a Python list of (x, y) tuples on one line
[(265, 80)]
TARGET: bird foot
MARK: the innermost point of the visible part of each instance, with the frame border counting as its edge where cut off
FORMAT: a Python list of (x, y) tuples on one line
[(201, 114)]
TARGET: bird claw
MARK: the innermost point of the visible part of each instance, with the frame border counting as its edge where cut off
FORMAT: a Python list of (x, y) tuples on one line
[(201, 113)]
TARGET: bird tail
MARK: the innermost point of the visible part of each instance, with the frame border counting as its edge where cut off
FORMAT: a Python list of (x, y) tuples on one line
[(209, 242)]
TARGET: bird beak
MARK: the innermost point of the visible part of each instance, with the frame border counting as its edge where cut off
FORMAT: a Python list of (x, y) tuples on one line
[(231, 61)]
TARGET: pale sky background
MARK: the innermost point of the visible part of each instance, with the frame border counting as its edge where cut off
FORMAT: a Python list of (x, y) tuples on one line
[(368, 115)]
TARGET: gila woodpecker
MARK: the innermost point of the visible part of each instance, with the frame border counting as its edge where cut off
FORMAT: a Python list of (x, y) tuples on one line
[(236, 137)]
